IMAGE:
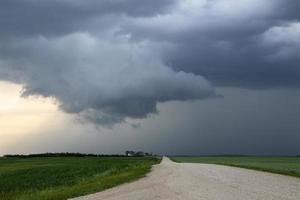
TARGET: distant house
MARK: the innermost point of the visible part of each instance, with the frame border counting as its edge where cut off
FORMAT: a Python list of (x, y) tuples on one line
[(130, 153)]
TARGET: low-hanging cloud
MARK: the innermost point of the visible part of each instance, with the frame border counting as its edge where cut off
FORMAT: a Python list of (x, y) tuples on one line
[(104, 81)]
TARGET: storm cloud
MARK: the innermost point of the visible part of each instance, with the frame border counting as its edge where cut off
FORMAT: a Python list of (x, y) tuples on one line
[(58, 17), (231, 43), (105, 81), (110, 60)]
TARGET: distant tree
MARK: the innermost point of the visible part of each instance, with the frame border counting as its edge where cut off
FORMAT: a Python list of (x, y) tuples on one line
[(139, 153), (66, 154)]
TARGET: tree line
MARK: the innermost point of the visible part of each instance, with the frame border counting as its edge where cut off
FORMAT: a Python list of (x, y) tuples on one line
[(69, 154)]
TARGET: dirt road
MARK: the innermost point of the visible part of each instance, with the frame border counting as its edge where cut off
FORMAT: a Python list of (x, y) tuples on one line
[(187, 181)]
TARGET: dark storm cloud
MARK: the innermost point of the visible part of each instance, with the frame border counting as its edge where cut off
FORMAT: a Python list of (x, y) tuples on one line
[(109, 60), (52, 17), (104, 81), (228, 41)]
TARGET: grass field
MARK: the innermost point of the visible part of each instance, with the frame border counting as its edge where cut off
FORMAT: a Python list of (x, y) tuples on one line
[(282, 165), (64, 177)]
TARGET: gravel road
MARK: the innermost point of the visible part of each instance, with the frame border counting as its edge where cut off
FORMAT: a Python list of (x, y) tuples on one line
[(187, 181)]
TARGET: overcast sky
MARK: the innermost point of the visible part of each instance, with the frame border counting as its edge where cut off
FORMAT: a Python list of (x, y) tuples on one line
[(168, 76)]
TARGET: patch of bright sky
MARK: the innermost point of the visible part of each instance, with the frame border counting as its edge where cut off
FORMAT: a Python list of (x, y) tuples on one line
[(20, 116)]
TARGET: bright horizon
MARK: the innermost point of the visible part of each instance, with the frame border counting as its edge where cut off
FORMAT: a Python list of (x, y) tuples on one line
[(36, 125)]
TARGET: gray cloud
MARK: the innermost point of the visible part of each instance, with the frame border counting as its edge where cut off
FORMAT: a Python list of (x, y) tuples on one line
[(109, 60), (56, 17), (103, 80), (224, 40)]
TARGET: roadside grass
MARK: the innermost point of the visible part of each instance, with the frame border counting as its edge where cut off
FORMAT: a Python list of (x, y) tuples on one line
[(60, 178), (281, 165)]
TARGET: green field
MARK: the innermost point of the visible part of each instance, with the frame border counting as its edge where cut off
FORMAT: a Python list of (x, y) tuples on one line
[(64, 177), (282, 165)]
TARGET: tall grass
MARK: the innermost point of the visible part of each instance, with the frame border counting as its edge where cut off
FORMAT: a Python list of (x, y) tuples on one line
[(65, 177)]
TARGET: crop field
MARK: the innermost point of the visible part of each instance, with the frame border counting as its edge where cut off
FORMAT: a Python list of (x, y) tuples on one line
[(58, 178), (282, 165)]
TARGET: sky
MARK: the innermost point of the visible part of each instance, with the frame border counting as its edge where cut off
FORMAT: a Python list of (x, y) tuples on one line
[(163, 76)]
